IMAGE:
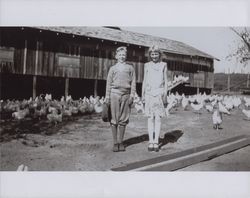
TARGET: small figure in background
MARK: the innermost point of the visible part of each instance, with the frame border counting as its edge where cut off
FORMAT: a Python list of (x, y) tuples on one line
[(217, 117)]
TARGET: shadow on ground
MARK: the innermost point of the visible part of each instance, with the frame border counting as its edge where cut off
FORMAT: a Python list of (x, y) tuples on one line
[(169, 137)]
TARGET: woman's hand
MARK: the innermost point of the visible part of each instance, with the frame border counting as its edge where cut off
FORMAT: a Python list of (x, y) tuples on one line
[(164, 98), (143, 99)]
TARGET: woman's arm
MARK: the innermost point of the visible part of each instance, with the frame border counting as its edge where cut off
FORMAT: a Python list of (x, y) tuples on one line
[(165, 74), (165, 79), (144, 82)]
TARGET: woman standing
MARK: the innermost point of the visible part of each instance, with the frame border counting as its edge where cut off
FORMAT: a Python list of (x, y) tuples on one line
[(120, 91), (154, 93)]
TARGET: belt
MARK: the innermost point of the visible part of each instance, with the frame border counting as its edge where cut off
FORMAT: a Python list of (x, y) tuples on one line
[(120, 90)]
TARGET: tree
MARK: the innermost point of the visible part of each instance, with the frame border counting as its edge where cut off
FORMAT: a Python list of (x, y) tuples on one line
[(242, 52)]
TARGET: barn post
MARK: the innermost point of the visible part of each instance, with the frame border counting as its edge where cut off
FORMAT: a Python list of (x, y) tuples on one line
[(198, 90), (35, 76), (24, 57), (36, 57), (95, 88), (66, 91), (34, 87), (248, 78), (228, 81)]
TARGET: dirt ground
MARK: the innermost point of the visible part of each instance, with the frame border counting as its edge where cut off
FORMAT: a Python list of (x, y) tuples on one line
[(85, 143)]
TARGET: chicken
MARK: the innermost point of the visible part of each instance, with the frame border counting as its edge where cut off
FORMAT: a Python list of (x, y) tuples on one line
[(98, 106), (83, 108), (247, 101), (21, 114), (217, 119), (74, 110), (102, 100), (246, 113), (54, 117), (171, 104), (91, 108), (68, 98), (22, 168), (139, 107), (184, 103), (40, 112), (223, 109), (48, 97), (209, 108), (67, 111), (197, 107)]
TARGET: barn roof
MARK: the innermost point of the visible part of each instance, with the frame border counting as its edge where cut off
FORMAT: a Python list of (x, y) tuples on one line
[(134, 38)]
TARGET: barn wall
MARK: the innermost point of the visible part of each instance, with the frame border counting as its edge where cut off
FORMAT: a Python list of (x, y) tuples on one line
[(48, 54)]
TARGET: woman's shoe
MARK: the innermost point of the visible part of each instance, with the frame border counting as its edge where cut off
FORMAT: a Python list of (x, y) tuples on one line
[(151, 147), (156, 147), (116, 148), (121, 147)]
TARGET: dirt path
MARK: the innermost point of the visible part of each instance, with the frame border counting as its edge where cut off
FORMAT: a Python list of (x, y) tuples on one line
[(85, 144)]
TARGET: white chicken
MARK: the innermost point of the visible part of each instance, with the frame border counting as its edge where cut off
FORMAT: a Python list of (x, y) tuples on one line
[(48, 97), (98, 105), (223, 109), (197, 107), (209, 108), (22, 168), (171, 104), (247, 101), (246, 113), (184, 103), (139, 107), (20, 114), (68, 98)]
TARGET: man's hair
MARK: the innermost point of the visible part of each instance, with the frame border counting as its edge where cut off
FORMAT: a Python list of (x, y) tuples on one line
[(122, 48)]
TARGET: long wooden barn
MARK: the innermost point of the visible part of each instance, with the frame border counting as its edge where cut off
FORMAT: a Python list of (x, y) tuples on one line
[(76, 60)]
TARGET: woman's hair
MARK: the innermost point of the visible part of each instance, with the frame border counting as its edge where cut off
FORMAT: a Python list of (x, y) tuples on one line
[(122, 48), (154, 48)]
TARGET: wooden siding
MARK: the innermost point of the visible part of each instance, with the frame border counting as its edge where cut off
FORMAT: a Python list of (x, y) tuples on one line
[(95, 59)]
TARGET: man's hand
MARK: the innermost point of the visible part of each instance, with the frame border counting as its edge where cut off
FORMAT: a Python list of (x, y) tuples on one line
[(107, 100), (131, 100)]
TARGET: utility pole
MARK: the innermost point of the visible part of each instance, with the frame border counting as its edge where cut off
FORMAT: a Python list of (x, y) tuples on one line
[(228, 80), (248, 80)]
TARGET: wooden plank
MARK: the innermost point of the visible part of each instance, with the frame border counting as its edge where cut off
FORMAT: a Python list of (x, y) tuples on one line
[(40, 58), (34, 87), (200, 156), (36, 58), (25, 57), (30, 62), (201, 152), (95, 88), (66, 91)]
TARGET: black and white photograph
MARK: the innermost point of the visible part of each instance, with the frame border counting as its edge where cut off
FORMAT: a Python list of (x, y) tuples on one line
[(114, 98), (118, 98)]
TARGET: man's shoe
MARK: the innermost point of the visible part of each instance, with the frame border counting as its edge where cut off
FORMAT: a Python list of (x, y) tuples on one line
[(115, 148)]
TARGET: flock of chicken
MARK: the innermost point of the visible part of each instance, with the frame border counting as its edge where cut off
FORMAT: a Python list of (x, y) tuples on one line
[(44, 107), (215, 104)]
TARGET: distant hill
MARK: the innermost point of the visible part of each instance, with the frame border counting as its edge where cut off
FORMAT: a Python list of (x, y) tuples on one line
[(237, 81)]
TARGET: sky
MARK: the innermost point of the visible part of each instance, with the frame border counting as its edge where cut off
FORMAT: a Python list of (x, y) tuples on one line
[(216, 41)]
